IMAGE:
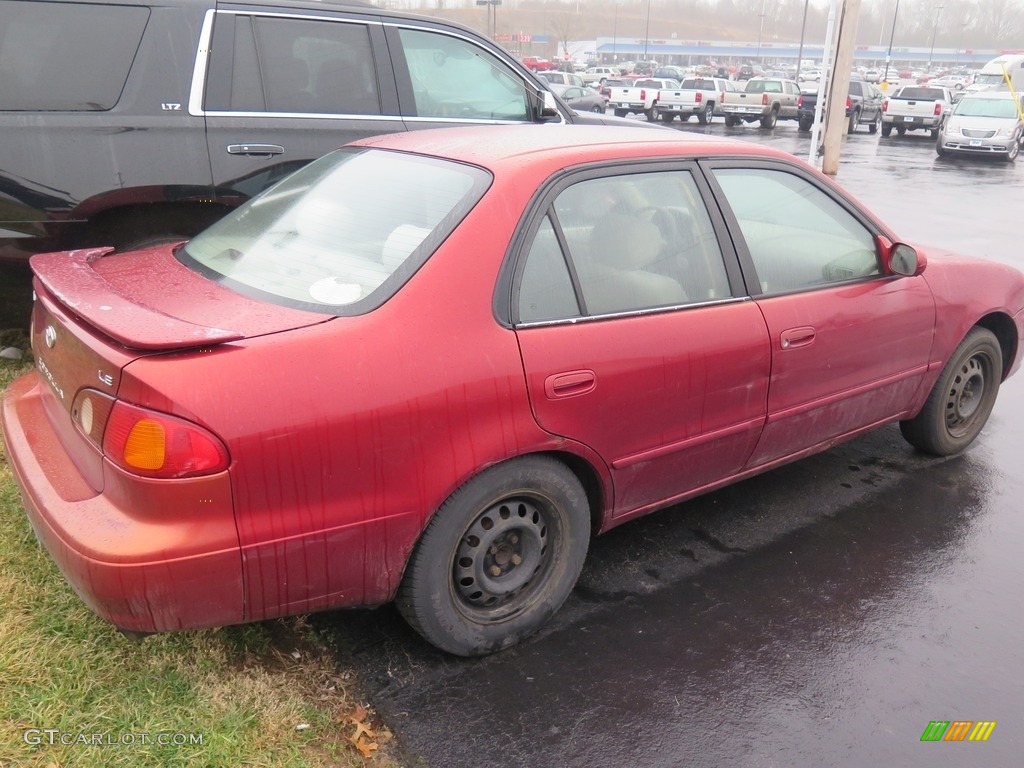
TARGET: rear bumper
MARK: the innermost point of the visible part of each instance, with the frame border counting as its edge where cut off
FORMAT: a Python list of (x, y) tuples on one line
[(145, 558)]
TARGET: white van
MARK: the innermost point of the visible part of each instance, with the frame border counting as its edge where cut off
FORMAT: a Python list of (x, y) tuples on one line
[(992, 75)]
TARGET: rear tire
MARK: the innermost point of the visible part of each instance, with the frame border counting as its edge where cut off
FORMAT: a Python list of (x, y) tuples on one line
[(597, 109), (705, 115), (769, 120), (961, 400), (499, 558), (873, 128), (620, 113), (886, 130), (667, 117), (851, 125), (805, 124), (732, 121)]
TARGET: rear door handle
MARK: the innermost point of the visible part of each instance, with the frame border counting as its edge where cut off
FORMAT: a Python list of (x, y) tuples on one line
[(255, 149), (797, 337), (569, 383)]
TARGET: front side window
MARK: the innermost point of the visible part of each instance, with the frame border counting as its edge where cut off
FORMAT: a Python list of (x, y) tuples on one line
[(798, 237), (66, 56), (273, 64), (340, 235), (453, 78), (634, 242)]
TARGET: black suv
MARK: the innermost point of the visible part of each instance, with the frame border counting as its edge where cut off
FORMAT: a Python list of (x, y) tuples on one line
[(132, 122)]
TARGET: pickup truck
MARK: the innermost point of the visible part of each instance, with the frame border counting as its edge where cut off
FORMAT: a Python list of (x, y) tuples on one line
[(863, 107), (700, 96), (916, 107), (767, 99), (640, 97)]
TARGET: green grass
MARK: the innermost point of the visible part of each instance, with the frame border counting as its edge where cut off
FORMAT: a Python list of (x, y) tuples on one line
[(241, 691)]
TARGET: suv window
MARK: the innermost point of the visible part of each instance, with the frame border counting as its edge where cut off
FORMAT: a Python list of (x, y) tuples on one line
[(271, 64), (452, 77), (68, 57)]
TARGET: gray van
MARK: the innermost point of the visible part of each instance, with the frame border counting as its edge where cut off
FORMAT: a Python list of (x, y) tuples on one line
[(133, 122)]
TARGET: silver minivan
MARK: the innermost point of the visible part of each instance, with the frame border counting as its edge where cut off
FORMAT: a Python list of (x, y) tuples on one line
[(986, 123)]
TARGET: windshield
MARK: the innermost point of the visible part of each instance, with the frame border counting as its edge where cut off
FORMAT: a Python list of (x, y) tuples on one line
[(340, 235), (989, 79), (986, 108)]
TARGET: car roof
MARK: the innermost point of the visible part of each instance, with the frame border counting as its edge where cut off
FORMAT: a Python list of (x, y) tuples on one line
[(496, 147)]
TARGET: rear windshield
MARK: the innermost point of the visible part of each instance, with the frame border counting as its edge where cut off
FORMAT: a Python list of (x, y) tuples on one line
[(763, 86), (66, 56), (921, 94), (340, 235)]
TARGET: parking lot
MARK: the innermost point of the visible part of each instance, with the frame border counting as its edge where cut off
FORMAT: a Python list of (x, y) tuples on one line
[(821, 614)]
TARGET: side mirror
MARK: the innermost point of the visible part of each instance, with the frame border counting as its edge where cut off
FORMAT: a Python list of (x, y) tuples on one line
[(548, 107), (905, 260)]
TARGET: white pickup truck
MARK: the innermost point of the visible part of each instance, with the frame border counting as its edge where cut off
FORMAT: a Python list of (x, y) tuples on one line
[(640, 97), (916, 107), (700, 96)]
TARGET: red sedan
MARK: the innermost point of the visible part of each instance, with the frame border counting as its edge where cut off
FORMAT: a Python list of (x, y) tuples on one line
[(428, 367)]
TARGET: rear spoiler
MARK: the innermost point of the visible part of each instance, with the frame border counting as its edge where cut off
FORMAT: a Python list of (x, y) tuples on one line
[(70, 278)]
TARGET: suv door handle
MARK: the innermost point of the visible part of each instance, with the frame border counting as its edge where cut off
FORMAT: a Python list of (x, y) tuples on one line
[(255, 149)]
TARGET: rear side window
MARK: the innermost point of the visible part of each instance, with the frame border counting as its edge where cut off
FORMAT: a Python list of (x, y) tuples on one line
[(66, 56), (305, 66)]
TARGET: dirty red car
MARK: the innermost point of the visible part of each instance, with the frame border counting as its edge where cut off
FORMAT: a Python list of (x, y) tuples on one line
[(429, 367)]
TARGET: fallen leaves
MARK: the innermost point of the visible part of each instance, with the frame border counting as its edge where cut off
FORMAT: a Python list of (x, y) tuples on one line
[(364, 737)]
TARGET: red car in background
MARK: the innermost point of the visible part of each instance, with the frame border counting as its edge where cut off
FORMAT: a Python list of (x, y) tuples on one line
[(429, 366), (537, 64)]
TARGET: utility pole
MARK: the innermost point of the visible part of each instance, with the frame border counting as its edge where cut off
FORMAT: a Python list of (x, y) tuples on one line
[(839, 84)]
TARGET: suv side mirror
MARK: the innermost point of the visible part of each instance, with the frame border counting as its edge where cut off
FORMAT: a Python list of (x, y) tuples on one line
[(548, 111)]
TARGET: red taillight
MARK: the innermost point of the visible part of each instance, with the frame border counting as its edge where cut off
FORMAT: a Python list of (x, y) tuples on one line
[(800, 100), (643, 95), (849, 103), (885, 105), (700, 97), (764, 99), (938, 109), (154, 444)]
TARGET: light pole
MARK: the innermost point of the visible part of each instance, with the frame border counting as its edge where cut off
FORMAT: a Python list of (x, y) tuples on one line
[(935, 28), (803, 30), (892, 34), (615, 33), (492, 16), (760, 29), (647, 29)]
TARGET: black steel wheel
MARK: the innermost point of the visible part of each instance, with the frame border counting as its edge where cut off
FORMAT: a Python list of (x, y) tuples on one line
[(961, 400), (499, 558)]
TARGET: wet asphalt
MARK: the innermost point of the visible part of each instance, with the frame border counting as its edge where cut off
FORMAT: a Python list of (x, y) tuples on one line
[(822, 614)]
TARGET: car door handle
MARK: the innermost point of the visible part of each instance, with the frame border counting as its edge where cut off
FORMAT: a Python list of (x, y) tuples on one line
[(569, 383), (255, 149), (797, 337)]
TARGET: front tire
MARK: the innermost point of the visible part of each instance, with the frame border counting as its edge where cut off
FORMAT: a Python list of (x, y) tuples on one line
[(961, 400), (1013, 150), (499, 558)]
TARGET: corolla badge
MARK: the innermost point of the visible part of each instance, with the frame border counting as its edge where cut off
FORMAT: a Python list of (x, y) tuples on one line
[(50, 336)]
